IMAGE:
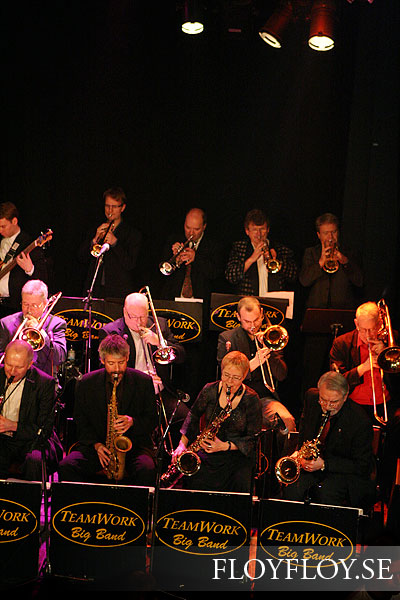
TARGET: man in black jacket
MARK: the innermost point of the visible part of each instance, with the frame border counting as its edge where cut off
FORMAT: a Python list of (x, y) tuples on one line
[(27, 265), (136, 419), (120, 244), (26, 415), (340, 474)]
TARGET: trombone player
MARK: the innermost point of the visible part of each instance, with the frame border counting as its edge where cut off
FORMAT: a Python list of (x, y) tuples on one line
[(139, 330), (355, 354), (34, 301), (266, 366)]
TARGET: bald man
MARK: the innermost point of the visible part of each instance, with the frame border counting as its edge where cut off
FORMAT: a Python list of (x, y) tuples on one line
[(27, 398), (199, 264)]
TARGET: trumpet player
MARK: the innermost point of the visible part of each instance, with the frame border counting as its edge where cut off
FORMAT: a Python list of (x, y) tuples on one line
[(120, 243), (34, 298), (243, 338), (341, 474), (246, 269)]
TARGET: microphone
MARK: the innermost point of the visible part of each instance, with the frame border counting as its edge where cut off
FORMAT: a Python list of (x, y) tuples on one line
[(281, 425), (105, 247), (183, 397)]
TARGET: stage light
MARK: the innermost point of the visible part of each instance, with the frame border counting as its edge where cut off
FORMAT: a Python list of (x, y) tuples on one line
[(271, 31), (192, 22), (322, 25)]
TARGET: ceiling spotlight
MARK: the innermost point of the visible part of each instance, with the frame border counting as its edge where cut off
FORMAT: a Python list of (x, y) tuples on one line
[(192, 22), (272, 31), (322, 25)]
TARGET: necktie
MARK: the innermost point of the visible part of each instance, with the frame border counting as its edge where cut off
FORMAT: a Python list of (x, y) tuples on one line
[(187, 290)]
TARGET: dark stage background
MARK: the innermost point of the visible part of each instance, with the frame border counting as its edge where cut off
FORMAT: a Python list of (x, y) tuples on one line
[(106, 93)]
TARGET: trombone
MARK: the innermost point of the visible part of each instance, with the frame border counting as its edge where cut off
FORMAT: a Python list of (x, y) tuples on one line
[(388, 359), (169, 266), (34, 335), (164, 354), (275, 338)]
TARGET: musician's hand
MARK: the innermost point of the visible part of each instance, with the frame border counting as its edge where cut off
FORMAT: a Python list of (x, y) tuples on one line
[(31, 321), (257, 252), (264, 352), (187, 256), (312, 465), (103, 453), (110, 239), (341, 257), (215, 445), (176, 247), (7, 425), (149, 336), (100, 232), (178, 451), (122, 423), (272, 252), (25, 262)]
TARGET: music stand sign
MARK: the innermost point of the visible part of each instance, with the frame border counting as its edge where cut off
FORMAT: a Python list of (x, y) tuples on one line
[(98, 531), (19, 532), (192, 529), (223, 311)]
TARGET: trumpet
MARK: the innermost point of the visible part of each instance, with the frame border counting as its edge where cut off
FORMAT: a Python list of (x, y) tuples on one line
[(331, 264), (273, 265), (287, 469), (33, 335), (96, 248), (388, 359), (169, 266), (275, 338), (164, 354)]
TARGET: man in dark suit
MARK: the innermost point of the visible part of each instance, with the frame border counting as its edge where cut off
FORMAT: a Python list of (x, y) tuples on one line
[(136, 419), (331, 278), (120, 243), (242, 338), (340, 473), (34, 301), (26, 415), (350, 355), (27, 266), (246, 269), (138, 328)]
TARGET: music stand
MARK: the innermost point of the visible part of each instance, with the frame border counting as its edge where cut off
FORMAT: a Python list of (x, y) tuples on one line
[(328, 320)]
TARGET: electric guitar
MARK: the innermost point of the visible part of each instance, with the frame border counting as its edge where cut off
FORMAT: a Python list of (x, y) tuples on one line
[(40, 241)]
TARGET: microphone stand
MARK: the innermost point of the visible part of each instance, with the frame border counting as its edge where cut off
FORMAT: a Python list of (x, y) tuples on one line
[(42, 440), (158, 460), (88, 308)]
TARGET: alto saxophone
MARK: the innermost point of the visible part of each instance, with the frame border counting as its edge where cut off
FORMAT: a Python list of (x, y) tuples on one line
[(189, 462), (117, 444), (287, 469)]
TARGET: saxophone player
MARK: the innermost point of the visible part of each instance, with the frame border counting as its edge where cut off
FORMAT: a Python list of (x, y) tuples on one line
[(136, 419), (227, 457), (341, 474)]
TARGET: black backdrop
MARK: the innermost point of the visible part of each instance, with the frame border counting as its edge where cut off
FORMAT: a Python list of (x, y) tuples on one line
[(101, 93)]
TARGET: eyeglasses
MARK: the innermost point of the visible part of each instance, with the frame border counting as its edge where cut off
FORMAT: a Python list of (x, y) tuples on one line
[(232, 377), (34, 306), (135, 317), (330, 403), (112, 206)]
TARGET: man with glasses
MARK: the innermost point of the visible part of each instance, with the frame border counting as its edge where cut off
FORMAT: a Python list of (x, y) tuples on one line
[(242, 338), (350, 355), (138, 328), (115, 277), (341, 474), (34, 298)]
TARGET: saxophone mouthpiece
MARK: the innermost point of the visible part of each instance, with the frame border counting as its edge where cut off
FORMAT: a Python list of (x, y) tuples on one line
[(228, 390)]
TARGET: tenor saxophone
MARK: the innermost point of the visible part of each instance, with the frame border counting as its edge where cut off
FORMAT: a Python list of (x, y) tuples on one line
[(189, 462), (118, 445)]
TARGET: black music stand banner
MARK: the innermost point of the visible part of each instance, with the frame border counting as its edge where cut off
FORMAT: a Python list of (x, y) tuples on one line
[(98, 533), (304, 545), (197, 532), (20, 504), (184, 318), (223, 310), (328, 320)]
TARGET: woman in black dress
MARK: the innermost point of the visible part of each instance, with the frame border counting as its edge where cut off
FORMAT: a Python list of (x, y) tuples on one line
[(227, 460)]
